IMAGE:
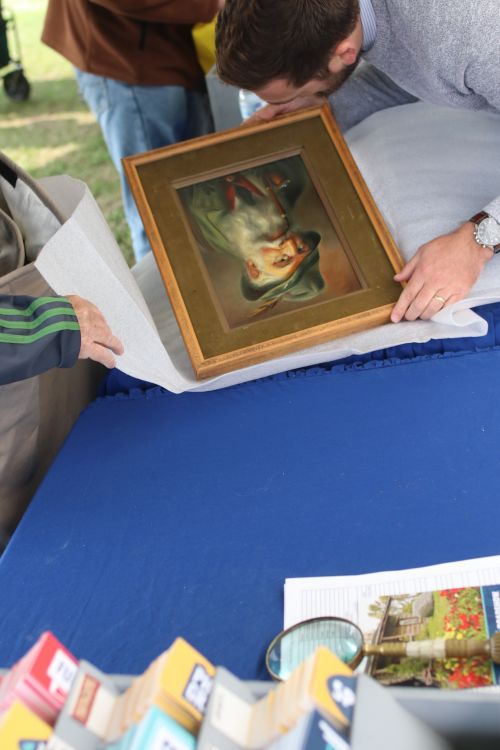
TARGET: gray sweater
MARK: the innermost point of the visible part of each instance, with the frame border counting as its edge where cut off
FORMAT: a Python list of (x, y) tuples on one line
[(441, 51)]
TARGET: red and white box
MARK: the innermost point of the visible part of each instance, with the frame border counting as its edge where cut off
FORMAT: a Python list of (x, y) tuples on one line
[(41, 679)]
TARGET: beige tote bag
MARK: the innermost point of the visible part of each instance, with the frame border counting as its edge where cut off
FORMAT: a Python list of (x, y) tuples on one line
[(35, 414)]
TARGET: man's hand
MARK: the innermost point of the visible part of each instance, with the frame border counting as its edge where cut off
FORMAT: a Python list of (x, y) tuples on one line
[(440, 273), (97, 340), (270, 111)]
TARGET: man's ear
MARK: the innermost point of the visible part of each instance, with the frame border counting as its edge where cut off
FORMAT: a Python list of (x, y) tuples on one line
[(345, 52)]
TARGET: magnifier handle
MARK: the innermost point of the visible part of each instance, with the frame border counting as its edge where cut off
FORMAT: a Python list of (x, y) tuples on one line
[(440, 648), (416, 649)]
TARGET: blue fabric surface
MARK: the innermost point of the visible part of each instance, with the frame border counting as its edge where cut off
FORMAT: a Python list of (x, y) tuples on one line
[(118, 382), (182, 515)]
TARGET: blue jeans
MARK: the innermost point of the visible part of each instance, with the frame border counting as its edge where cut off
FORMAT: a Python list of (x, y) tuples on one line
[(134, 119)]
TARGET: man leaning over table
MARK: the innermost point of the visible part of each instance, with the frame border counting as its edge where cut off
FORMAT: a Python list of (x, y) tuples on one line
[(39, 333), (297, 53)]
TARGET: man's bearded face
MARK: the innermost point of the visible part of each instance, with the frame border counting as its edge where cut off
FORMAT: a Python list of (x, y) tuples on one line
[(333, 81), (282, 92)]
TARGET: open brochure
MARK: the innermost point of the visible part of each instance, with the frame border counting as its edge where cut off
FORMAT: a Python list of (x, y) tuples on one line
[(455, 600)]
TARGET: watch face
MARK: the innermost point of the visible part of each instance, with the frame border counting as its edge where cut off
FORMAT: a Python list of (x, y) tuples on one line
[(488, 232)]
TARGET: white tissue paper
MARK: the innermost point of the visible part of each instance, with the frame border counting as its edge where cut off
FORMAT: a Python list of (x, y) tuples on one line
[(428, 169)]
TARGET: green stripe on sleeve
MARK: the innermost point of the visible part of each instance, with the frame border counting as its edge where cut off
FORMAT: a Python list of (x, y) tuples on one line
[(20, 338), (38, 302), (54, 312)]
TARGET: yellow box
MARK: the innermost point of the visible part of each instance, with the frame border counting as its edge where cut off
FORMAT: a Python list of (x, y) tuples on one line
[(186, 681), (19, 724), (326, 667), (307, 688), (178, 682)]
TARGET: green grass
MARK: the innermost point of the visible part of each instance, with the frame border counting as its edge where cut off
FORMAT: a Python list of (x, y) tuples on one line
[(53, 132), (435, 623)]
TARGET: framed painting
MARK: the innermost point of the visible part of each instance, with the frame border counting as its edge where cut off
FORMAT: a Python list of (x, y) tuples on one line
[(267, 240)]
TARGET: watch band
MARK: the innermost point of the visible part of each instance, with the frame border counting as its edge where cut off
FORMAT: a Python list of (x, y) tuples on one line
[(477, 219)]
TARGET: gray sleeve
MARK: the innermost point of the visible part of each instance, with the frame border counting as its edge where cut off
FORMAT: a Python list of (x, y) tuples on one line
[(482, 76), (368, 90), (493, 209)]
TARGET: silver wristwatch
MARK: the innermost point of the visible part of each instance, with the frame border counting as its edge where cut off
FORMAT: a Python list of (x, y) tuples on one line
[(487, 231)]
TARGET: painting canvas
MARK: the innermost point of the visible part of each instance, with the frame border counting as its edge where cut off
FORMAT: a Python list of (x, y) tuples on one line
[(267, 240)]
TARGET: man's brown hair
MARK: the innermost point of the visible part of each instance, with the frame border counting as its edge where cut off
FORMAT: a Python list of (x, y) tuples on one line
[(260, 40)]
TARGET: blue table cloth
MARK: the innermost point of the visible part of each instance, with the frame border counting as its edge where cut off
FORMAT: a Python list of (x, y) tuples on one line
[(118, 382), (182, 515)]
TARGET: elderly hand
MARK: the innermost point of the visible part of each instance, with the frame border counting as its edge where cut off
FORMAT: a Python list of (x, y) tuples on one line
[(270, 111), (440, 273), (97, 340)]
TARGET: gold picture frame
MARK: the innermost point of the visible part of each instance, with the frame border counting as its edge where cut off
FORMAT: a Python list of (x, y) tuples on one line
[(267, 240)]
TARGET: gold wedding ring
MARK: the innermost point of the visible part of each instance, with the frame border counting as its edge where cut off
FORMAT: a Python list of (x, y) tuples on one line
[(439, 298)]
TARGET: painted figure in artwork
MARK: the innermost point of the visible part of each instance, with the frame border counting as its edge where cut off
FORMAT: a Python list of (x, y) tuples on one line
[(249, 215)]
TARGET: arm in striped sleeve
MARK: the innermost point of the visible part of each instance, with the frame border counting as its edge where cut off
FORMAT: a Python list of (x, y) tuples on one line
[(36, 334)]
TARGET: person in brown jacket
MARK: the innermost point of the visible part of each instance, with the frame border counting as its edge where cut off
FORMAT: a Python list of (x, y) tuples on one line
[(137, 69)]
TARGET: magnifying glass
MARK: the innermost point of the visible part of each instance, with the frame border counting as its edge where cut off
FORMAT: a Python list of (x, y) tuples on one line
[(345, 639)]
